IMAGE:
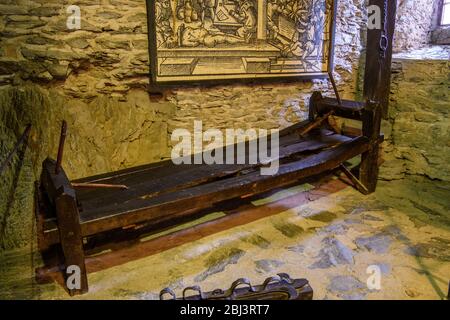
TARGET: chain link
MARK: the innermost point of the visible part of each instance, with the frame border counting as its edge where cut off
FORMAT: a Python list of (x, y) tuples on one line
[(384, 41)]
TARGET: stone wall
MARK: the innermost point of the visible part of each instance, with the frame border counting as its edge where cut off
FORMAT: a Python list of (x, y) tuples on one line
[(418, 127), (440, 35), (415, 21)]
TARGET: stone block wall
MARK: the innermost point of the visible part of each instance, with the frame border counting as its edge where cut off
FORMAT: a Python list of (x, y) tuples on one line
[(415, 21), (418, 127)]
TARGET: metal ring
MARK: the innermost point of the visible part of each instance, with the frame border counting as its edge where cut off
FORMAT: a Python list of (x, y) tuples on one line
[(384, 42), (285, 277), (194, 288), (271, 280), (240, 281), (167, 291), (218, 292)]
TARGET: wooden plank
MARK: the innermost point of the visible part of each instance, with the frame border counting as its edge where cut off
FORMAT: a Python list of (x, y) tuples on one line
[(368, 172), (52, 182), (377, 76), (133, 178), (39, 211), (71, 239), (190, 200), (195, 175), (377, 88), (128, 249), (61, 196), (347, 109), (294, 128), (286, 137)]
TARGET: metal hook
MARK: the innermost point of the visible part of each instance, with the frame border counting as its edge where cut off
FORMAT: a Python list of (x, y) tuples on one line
[(194, 288), (240, 281), (167, 291), (270, 280)]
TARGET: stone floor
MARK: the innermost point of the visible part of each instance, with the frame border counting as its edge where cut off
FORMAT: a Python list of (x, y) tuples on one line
[(403, 229)]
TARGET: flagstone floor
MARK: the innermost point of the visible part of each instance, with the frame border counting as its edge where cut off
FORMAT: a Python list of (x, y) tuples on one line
[(335, 241)]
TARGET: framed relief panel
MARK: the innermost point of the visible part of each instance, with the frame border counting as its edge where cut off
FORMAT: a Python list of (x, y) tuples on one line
[(215, 40)]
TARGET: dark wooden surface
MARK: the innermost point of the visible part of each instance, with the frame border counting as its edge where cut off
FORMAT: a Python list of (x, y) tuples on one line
[(347, 109), (172, 178), (377, 81), (62, 197), (377, 75), (369, 160), (165, 191), (71, 239), (115, 248)]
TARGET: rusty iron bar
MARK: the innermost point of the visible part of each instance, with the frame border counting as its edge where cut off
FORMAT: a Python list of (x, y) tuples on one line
[(99, 185), (336, 92), (62, 140), (21, 140), (358, 184)]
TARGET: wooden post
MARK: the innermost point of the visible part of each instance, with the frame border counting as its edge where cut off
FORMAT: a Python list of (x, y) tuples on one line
[(371, 117), (62, 140), (62, 196), (377, 87), (71, 239), (313, 102), (377, 76)]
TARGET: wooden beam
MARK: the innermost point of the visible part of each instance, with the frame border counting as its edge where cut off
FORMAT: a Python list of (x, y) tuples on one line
[(377, 88), (377, 76), (190, 200), (368, 174), (358, 185), (71, 240), (62, 196), (347, 108)]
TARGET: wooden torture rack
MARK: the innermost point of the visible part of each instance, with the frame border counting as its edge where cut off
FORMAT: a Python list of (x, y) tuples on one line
[(69, 212)]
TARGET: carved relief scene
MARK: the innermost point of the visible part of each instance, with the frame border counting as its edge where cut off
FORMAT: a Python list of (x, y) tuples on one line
[(222, 39)]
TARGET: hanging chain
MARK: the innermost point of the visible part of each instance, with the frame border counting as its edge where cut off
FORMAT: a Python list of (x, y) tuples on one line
[(384, 41)]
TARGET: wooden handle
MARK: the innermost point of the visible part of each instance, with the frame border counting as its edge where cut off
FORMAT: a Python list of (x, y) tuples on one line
[(99, 185)]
